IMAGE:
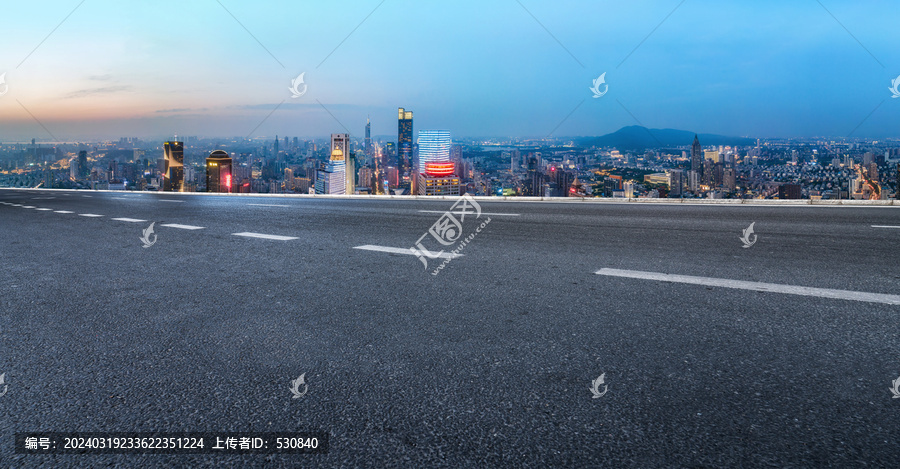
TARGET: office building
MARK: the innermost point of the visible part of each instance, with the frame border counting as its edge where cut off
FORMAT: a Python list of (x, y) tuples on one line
[(342, 142), (332, 178), (696, 156), (173, 172), (434, 147), (789, 191), (368, 142), (404, 140), (435, 171), (434, 185), (218, 172)]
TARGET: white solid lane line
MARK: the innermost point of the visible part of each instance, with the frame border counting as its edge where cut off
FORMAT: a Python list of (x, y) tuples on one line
[(26, 206), (89, 215), (756, 286), (62, 211), (483, 213), (129, 220), (269, 205), (170, 200), (183, 227), (265, 236), (370, 247), (43, 209), (884, 226)]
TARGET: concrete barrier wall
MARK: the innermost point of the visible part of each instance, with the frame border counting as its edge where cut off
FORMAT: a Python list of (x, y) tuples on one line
[(594, 200)]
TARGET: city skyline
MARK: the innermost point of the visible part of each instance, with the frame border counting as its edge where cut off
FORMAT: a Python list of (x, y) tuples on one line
[(520, 70)]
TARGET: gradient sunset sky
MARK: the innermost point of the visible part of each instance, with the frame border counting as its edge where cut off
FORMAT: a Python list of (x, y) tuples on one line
[(478, 68)]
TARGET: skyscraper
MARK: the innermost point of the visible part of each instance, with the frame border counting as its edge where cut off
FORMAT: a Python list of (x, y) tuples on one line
[(405, 140), (332, 178), (434, 168), (347, 162), (434, 147), (368, 149), (173, 177), (83, 169), (218, 172), (697, 156)]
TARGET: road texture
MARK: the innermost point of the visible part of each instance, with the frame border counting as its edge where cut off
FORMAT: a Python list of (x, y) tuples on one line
[(486, 364)]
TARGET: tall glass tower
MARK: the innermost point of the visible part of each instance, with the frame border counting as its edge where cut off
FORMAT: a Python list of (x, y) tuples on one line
[(434, 148), (173, 179), (404, 139)]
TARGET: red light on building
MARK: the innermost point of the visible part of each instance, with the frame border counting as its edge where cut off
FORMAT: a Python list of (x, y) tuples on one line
[(228, 182), (440, 169)]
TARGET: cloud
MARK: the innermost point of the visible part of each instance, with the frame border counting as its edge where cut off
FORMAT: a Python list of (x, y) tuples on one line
[(180, 110), (298, 106), (97, 91)]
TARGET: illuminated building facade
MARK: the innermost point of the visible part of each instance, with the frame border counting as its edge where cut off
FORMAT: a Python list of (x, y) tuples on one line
[(332, 178), (434, 147), (218, 172), (404, 140), (435, 171), (342, 142), (173, 176)]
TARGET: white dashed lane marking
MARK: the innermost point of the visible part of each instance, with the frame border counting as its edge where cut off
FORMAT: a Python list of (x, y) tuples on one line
[(265, 236), (409, 251), (755, 286), (62, 211), (269, 205), (129, 220), (483, 213), (93, 215), (43, 209), (170, 200), (183, 227), (884, 226)]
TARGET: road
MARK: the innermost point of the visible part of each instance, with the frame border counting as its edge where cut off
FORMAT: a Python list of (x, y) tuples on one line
[(488, 363)]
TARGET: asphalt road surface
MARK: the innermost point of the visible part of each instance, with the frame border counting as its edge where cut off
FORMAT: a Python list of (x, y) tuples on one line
[(488, 363)]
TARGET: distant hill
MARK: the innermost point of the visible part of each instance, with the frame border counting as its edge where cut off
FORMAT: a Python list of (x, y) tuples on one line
[(635, 137)]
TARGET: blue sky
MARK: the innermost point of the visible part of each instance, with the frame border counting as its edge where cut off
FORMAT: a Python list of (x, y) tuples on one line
[(478, 68)]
